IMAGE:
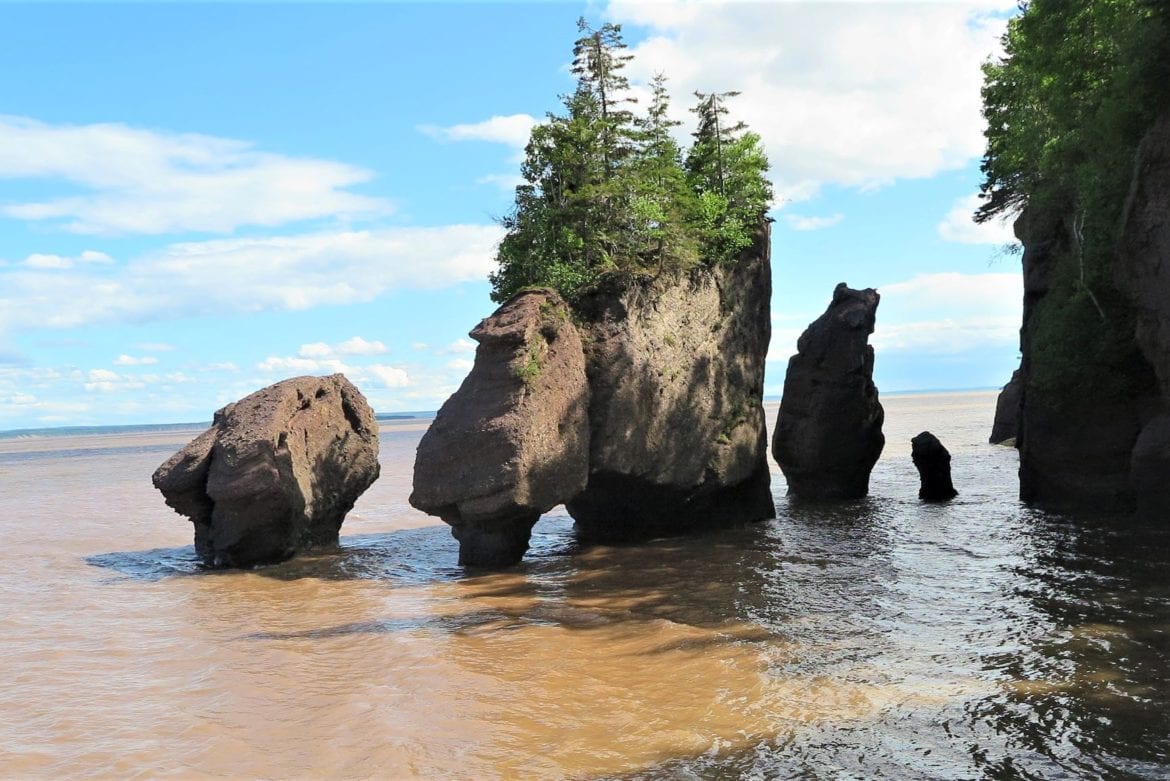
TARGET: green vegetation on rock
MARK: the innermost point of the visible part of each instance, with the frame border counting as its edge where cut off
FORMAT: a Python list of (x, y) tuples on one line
[(608, 190)]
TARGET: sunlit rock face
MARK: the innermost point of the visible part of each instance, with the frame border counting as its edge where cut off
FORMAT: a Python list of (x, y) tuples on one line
[(513, 441), (829, 430), (276, 473), (676, 373)]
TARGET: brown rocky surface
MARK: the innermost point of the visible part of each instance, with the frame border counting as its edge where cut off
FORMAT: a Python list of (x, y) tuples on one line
[(676, 373), (513, 441), (829, 431), (276, 473)]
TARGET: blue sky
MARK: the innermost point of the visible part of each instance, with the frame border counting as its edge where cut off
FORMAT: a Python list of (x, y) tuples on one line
[(199, 200)]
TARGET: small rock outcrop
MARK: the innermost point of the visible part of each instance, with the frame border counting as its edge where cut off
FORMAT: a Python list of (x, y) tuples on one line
[(829, 431), (276, 473), (513, 441), (676, 371), (642, 412), (933, 462), (1006, 428)]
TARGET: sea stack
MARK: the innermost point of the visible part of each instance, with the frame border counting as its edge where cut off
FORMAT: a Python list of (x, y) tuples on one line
[(640, 408), (513, 441), (933, 462), (829, 431), (276, 473)]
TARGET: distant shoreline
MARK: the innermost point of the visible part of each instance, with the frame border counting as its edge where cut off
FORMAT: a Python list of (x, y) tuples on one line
[(413, 416)]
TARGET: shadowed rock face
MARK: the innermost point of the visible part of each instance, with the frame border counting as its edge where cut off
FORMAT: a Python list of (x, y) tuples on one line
[(1005, 429), (513, 441), (829, 431), (1144, 269), (645, 418), (676, 371), (276, 473), (933, 462)]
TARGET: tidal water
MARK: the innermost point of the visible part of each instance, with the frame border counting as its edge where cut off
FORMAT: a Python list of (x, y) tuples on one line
[(878, 639)]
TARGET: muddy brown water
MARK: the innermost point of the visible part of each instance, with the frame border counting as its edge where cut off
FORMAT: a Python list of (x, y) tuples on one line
[(877, 639)]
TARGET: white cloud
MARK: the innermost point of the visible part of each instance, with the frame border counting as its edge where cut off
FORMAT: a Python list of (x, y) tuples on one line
[(802, 223), (144, 181), (93, 256), (354, 346), (958, 226), (950, 312), (384, 375), (458, 347), (419, 345), (130, 360), (853, 94), (390, 376), (461, 364), (512, 130), (38, 260), (249, 275), (155, 347), (106, 381)]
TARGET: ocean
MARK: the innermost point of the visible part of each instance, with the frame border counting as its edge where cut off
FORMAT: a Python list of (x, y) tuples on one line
[(883, 638)]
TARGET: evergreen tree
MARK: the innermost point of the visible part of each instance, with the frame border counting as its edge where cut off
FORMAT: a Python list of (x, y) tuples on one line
[(726, 166), (605, 190)]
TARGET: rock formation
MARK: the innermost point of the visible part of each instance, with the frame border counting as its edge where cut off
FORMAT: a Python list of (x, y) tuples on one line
[(829, 432), (276, 473), (641, 411), (933, 462), (513, 441), (1144, 269), (676, 373), (1095, 370), (1006, 428)]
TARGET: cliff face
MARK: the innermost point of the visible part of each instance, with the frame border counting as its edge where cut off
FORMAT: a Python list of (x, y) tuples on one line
[(676, 373), (1096, 351), (1144, 271), (647, 411)]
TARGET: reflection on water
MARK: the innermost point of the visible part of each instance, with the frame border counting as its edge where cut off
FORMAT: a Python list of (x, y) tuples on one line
[(883, 638)]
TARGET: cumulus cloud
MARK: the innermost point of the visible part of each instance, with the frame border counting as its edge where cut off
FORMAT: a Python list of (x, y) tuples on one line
[(801, 223), (354, 346), (852, 94), (459, 347), (950, 312), (461, 364), (383, 375), (248, 275), (137, 181), (131, 360), (512, 130), (958, 226), (943, 313)]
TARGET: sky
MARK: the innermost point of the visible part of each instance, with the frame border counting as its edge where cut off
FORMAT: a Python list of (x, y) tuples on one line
[(198, 200)]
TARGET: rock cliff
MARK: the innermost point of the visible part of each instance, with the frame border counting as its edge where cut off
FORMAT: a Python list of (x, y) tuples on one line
[(829, 430), (276, 473), (676, 372), (1005, 430), (1095, 373), (640, 409)]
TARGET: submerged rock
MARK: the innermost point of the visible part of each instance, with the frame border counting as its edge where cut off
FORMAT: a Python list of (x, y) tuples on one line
[(513, 441), (276, 473), (1006, 428), (829, 430), (676, 372), (933, 462)]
